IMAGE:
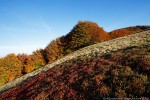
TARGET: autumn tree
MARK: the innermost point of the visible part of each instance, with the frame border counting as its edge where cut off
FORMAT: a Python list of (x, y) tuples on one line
[(10, 68), (4, 77), (23, 58), (35, 61), (85, 33), (54, 50)]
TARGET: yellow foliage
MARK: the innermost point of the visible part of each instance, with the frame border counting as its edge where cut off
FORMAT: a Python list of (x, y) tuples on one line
[(10, 68)]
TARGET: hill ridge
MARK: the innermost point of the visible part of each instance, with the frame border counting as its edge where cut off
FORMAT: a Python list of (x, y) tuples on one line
[(102, 48)]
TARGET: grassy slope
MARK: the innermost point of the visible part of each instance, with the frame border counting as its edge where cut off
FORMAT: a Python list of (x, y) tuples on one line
[(124, 73)]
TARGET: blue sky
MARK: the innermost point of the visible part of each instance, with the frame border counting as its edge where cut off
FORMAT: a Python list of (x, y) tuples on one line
[(27, 25)]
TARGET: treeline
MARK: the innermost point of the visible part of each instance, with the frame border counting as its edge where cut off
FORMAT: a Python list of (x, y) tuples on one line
[(13, 66), (126, 31), (83, 34)]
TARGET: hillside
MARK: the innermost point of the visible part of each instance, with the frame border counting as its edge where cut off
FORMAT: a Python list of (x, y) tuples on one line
[(84, 33), (115, 68)]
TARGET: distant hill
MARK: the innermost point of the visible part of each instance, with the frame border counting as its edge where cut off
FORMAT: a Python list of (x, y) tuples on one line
[(116, 68), (128, 30)]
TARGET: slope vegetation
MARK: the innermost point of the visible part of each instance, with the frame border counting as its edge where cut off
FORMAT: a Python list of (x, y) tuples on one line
[(116, 68)]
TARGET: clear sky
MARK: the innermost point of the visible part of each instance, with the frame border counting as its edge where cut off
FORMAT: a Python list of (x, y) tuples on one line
[(27, 25)]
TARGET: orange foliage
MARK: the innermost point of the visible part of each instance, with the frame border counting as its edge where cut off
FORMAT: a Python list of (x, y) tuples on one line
[(127, 31), (23, 58), (54, 50), (34, 61), (11, 75), (84, 34)]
